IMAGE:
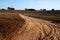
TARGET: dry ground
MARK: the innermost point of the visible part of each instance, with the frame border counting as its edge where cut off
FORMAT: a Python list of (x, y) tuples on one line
[(20, 27)]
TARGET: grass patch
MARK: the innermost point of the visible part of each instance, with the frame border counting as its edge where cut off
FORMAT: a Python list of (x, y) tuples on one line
[(45, 17)]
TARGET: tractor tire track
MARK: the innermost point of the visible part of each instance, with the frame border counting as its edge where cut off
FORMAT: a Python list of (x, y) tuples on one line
[(50, 34), (35, 29)]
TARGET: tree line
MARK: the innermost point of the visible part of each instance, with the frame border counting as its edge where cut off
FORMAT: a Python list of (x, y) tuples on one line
[(31, 9)]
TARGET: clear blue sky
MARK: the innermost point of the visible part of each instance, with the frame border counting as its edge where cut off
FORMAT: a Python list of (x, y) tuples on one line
[(36, 4)]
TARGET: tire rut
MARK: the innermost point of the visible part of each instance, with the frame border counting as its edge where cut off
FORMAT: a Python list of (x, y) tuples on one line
[(49, 34)]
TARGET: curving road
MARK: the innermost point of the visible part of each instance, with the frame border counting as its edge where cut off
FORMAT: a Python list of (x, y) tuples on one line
[(32, 29), (40, 29)]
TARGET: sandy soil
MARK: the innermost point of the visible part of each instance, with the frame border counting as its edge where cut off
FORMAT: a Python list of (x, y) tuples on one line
[(46, 30), (33, 29)]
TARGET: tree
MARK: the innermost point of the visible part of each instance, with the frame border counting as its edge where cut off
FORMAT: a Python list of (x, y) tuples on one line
[(25, 9), (52, 9), (3, 9), (9, 8), (29, 9), (44, 9), (41, 10)]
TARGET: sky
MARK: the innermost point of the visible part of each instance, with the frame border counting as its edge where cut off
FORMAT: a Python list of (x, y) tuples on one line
[(35, 4)]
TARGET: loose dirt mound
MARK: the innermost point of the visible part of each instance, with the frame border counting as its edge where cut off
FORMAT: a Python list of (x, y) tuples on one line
[(10, 24), (19, 27)]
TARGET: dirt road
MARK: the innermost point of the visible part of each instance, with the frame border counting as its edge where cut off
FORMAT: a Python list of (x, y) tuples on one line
[(34, 29), (39, 29)]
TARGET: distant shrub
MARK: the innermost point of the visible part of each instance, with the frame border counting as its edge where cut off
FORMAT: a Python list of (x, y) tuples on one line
[(41, 9), (25, 9), (29, 9), (2, 9), (52, 9), (44, 9), (11, 8)]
